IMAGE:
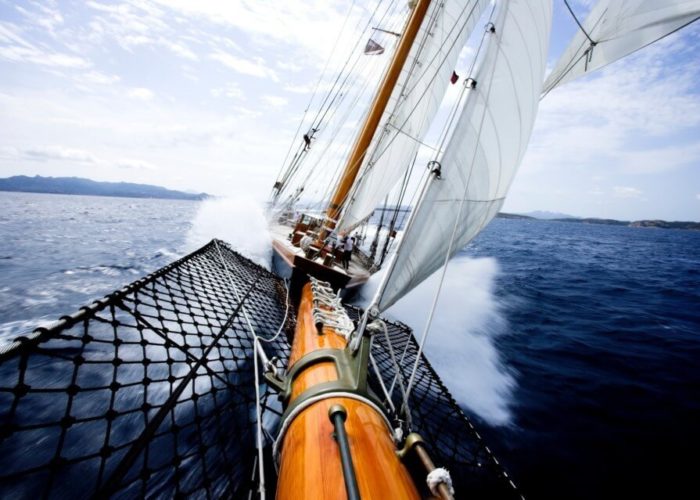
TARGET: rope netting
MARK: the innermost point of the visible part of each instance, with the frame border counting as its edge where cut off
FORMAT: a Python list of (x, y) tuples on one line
[(150, 391), (451, 437), (147, 392)]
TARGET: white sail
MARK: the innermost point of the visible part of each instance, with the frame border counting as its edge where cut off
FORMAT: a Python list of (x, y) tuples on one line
[(413, 104), (484, 151), (618, 28)]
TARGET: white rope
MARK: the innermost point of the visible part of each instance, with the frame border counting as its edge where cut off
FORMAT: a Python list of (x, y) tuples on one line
[(387, 396), (439, 476), (334, 314), (256, 348), (284, 320), (398, 374)]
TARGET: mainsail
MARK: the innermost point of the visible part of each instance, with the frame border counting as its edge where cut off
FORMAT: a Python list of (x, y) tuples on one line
[(413, 104), (484, 151), (616, 28)]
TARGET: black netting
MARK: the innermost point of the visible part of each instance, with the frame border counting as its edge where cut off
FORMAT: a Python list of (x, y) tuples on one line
[(450, 436), (150, 391)]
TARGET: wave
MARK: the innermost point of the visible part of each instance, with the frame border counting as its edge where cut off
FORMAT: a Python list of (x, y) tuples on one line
[(461, 343), (239, 221)]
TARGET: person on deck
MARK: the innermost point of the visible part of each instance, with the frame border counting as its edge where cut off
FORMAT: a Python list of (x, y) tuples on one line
[(348, 244)]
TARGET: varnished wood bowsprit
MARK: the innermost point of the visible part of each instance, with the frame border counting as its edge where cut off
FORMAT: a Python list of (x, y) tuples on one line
[(310, 465)]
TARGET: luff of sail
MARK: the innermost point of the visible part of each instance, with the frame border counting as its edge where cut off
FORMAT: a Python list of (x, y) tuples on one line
[(413, 104), (616, 28), (484, 151)]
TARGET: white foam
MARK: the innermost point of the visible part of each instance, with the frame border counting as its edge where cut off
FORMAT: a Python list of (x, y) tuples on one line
[(461, 343), (239, 221)]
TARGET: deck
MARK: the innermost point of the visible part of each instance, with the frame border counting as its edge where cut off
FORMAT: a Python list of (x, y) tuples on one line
[(356, 275)]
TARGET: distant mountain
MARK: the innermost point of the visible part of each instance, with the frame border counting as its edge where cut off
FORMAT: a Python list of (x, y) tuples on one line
[(543, 214), (78, 185), (550, 216), (660, 224), (503, 215)]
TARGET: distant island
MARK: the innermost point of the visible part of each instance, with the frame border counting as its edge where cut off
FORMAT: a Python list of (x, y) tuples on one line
[(81, 186), (661, 224)]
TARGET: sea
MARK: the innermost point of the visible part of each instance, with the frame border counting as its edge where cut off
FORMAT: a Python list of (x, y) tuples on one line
[(575, 348)]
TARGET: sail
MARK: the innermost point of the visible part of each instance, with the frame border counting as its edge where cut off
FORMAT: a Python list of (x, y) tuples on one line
[(487, 144), (618, 28), (413, 104)]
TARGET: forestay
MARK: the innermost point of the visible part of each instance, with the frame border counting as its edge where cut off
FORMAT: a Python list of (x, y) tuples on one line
[(484, 151), (617, 28), (413, 104)]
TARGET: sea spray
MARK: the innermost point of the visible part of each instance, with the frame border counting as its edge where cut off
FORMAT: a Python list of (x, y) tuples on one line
[(239, 221), (461, 342)]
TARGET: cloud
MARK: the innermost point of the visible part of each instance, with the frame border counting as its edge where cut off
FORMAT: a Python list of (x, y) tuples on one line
[(662, 159), (132, 25), (230, 90), (626, 192), (45, 17), (275, 22), (57, 153), (274, 101), (98, 78), (33, 55), (135, 164), (141, 93), (253, 67), (650, 102)]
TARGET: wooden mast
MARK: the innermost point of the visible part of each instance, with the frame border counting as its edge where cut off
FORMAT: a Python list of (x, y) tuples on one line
[(352, 167)]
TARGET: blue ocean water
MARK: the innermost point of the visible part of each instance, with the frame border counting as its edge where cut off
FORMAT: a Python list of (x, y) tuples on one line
[(600, 329)]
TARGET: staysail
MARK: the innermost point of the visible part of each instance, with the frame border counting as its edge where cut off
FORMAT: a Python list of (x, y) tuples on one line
[(413, 104), (616, 28), (484, 151)]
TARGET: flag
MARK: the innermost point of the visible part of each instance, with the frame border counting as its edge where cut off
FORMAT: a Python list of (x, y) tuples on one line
[(454, 77), (373, 48)]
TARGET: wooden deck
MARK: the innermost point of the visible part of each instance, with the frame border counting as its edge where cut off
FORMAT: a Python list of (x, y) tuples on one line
[(356, 275)]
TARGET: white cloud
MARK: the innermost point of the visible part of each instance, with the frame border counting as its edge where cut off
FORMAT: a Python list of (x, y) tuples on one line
[(181, 50), (650, 100), (98, 78), (141, 93), (230, 90), (274, 101), (252, 67), (33, 55), (135, 164), (57, 153), (627, 192), (46, 16)]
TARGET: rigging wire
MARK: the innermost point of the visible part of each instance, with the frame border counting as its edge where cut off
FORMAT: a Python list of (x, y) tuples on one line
[(585, 54), (593, 44), (452, 237), (318, 83), (356, 185), (391, 12), (325, 106)]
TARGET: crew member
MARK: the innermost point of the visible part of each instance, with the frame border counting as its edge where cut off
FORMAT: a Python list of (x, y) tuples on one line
[(348, 244)]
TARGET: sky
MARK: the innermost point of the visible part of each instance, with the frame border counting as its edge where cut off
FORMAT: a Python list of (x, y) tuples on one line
[(207, 96)]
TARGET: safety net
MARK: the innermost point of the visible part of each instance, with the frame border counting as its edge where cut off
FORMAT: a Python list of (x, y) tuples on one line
[(150, 391)]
